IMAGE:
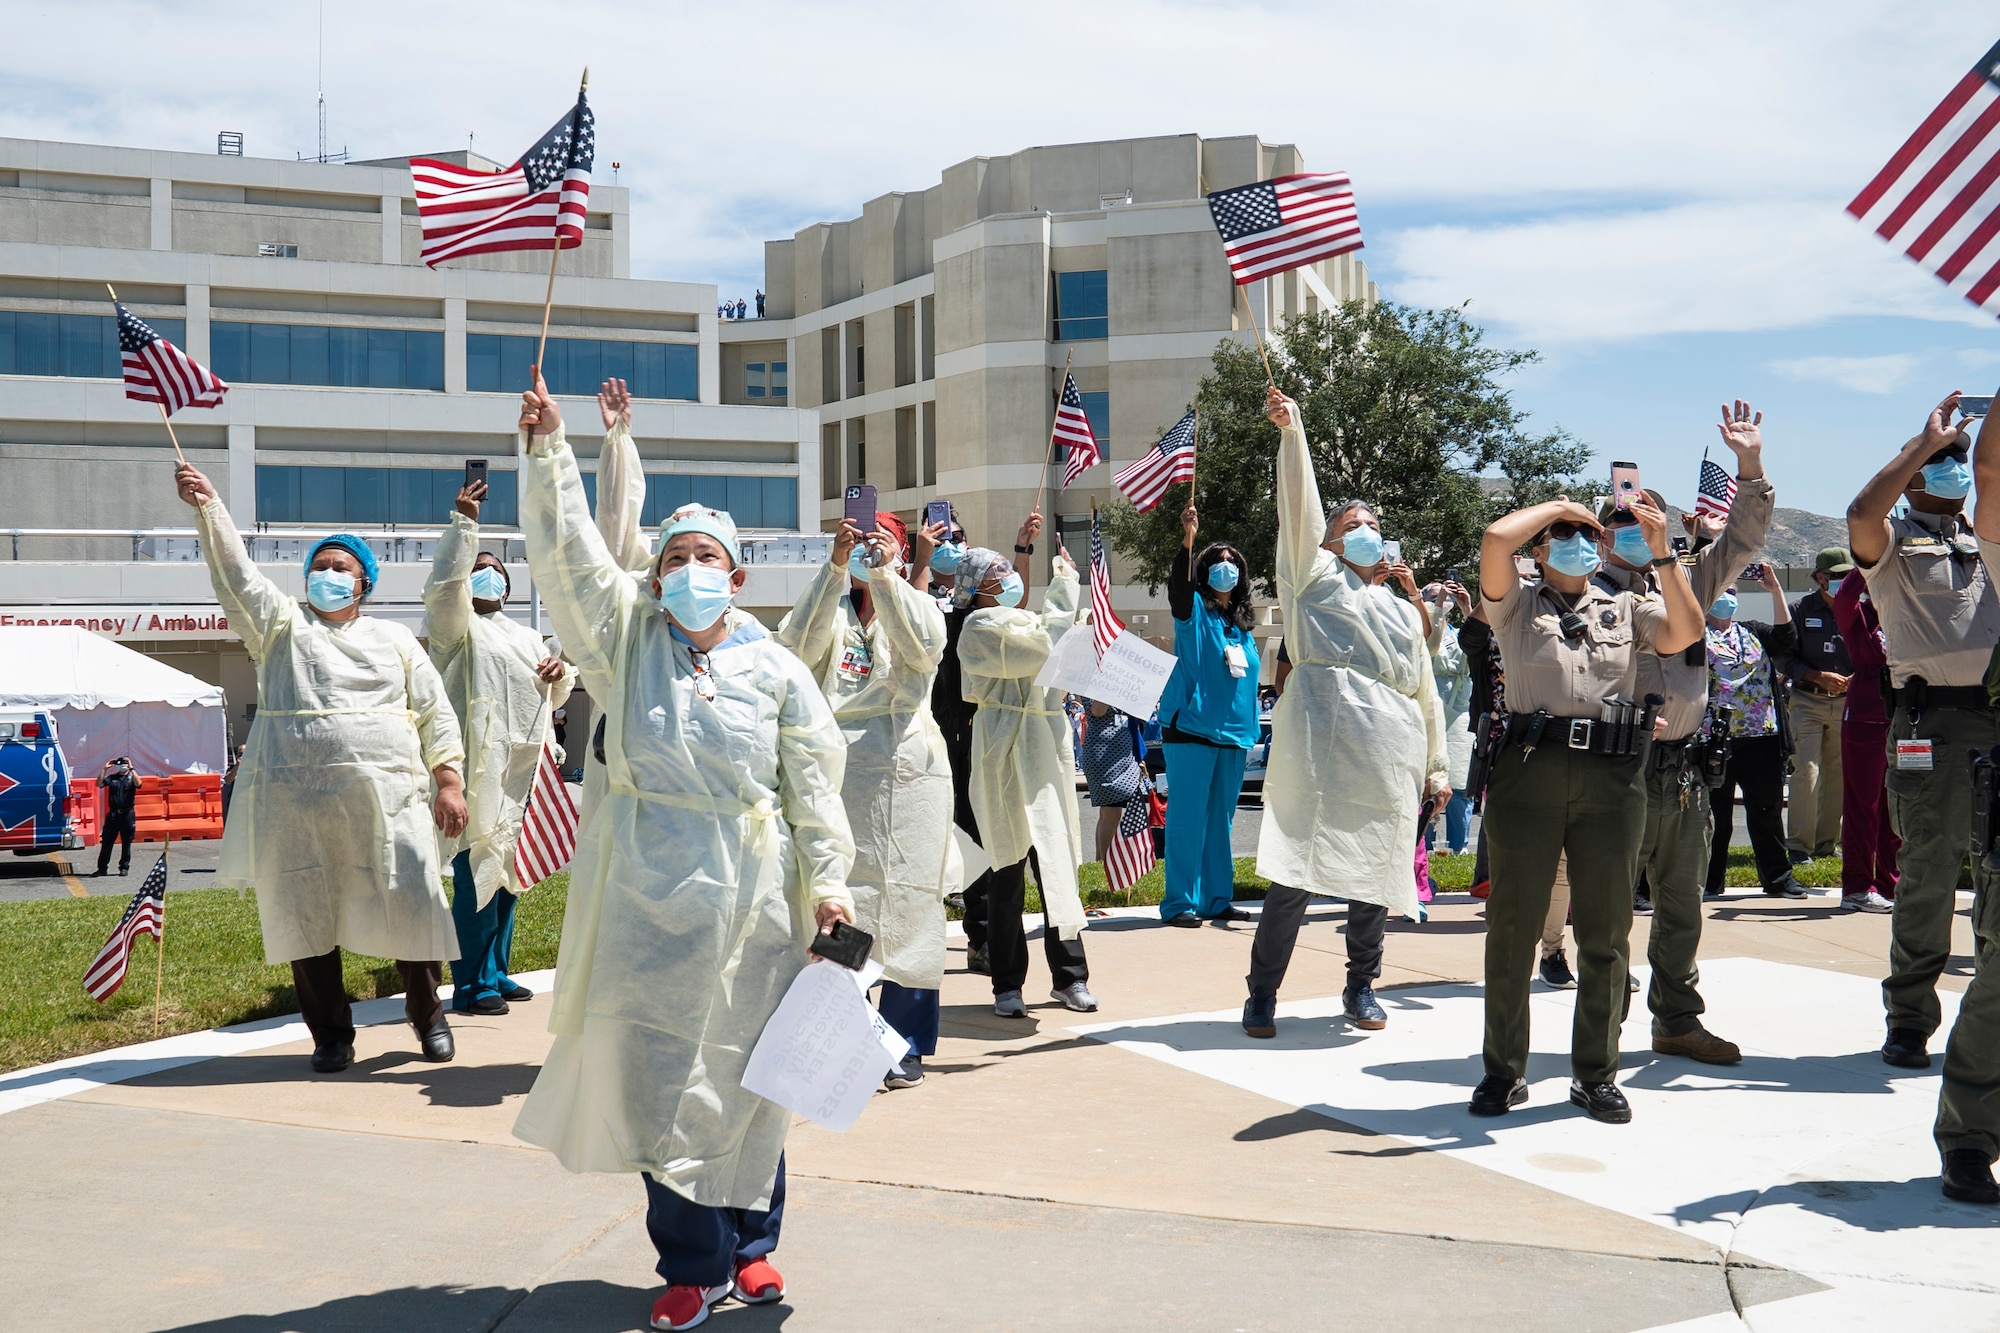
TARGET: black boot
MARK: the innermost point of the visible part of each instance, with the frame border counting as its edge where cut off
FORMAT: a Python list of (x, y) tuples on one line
[(437, 1042), (1968, 1177), (1260, 1013)]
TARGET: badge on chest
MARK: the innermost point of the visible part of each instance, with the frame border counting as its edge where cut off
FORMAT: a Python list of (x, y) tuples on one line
[(856, 660)]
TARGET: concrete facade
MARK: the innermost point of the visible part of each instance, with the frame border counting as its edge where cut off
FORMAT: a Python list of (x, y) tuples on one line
[(926, 330)]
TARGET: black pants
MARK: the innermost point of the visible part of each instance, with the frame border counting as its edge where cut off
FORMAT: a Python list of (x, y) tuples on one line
[(1278, 935), (1007, 940), (323, 996), (117, 827), (1757, 765), (976, 893)]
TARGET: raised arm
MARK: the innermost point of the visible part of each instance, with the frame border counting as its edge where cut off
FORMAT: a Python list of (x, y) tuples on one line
[(1685, 616), (909, 620), (1059, 603), (811, 629), (621, 481), (1301, 516), (256, 607), (1868, 534), (1985, 483), (448, 591), (1509, 533), (1749, 525)]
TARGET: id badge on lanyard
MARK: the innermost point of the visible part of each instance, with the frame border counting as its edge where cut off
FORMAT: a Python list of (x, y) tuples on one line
[(856, 661), (1237, 660)]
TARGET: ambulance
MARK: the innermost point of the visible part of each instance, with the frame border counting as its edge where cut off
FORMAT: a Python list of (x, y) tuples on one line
[(36, 812)]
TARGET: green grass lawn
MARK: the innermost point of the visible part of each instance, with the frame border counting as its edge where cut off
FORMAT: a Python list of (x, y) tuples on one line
[(215, 971)]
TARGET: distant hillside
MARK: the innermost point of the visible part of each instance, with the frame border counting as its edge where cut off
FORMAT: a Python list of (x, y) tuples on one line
[(1797, 535)]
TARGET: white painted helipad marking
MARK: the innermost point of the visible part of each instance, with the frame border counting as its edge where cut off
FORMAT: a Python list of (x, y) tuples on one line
[(65, 1078), (1812, 1154)]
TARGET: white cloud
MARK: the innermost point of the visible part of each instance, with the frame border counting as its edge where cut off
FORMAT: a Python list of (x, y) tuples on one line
[(1860, 374)]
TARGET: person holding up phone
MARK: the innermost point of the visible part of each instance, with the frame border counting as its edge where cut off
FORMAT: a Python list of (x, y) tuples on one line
[(1023, 781), (1747, 709), (1357, 741), (874, 642), (719, 847), (121, 821), (1674, 851)]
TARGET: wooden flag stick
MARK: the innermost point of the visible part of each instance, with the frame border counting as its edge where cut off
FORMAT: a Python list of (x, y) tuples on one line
[(160, 949), (175, 439), (1194, 446), (1250, 307), (555, 253)]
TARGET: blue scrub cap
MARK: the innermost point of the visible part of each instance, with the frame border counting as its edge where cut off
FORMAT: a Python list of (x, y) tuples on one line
[(354, 546), (714, 523)]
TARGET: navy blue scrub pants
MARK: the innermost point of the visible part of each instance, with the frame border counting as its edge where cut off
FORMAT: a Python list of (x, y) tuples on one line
[(1203, 782), (914, 1013), (703, 1247), (485, 938)]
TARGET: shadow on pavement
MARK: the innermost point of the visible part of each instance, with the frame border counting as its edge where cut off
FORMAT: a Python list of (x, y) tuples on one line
[(446, 1085), (1882, 1205), (574, 1307)]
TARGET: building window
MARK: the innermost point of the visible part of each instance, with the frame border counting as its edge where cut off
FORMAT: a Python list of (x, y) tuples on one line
[(276, 250), (71, 346), (1082, 306), (577, 367), (315, 354), (1097, 406), (754, 502), (764, 380), (377, 496)]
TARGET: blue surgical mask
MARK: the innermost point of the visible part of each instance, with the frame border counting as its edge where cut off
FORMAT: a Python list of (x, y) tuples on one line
[(1012, 589), (1723, 607), (695, 595), (1223, 575), (1630, 546), (1947, 480), (857, 563), (1362, 547), (1575, 556), (330, 590), (944, 560), (489, 584)]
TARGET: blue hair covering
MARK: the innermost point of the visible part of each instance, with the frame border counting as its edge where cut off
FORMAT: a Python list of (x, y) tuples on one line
[(354, 546)]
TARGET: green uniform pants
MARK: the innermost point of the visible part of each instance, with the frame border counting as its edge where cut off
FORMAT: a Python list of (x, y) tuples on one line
[(1969, 1101), (1674, 856), (1541, 805), (1931, 810)]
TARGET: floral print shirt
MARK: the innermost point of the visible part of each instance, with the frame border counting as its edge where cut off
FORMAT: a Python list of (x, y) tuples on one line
[(1741, 689)]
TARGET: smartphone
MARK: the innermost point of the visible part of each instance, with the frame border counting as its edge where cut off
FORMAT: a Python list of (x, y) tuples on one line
[(475, 470), (1392, 551), (1754, 571), (861, 507), (1451, 576), (1625, 483), (938, 511), (1680, 546), (1975, 407), (848, 946)]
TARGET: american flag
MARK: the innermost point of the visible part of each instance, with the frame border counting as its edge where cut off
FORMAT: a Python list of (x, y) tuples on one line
[(1284, 223), (1073, 431), (538, 202), (1715, 492), (1130, 854), (548, 829), (156, 371), (146, 914), (1937, 198), (1104, 622), (1146, 478)]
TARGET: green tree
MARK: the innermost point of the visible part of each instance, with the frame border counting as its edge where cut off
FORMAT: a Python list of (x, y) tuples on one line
[(1403, 409)]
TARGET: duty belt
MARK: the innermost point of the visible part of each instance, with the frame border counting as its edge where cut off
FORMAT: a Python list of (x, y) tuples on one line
[(1622, 737), (1918, 696)]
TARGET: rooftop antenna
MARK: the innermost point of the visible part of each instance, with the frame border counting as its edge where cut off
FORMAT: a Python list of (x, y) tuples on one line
[(323, 155)]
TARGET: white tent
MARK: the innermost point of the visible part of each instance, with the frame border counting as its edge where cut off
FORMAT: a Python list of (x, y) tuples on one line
[(110, 701)]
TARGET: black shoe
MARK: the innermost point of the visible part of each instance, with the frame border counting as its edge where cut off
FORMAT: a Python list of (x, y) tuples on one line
[(1362, 1009), (1601, 1101), (1968, 1177), (124, 871), (333, 1056), (1711, 894), (1231, 914), (99, 873), (1799, 858), (1905, 1049), (909, 1072), (437, 1042), (1186, 921), (1787, 887), (1631, 984), (513, 992), (487, 1004), (1642, 905), (975, 961), (1556, 973), (1496, 1096), (1260, 1013)]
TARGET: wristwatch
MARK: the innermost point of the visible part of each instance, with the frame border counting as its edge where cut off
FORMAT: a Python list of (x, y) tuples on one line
[(1670, 558), (1029, 549)]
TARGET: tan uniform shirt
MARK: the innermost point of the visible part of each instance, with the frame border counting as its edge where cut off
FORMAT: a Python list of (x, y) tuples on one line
[(1714, 567), (1572, 679), (1938, 608)]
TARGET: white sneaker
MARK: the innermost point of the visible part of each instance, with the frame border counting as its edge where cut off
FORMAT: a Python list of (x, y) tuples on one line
[(1870, 901), (1007, 1004), (1077, 997)]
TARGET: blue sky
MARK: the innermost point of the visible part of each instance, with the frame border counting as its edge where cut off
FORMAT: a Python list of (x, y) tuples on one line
[(1648, 193)]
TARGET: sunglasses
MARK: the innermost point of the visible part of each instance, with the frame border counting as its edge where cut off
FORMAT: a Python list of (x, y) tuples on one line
[(1565, 530), (1955, 452)]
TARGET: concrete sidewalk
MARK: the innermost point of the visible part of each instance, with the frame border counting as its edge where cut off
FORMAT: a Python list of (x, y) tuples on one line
[(1044, 1176)]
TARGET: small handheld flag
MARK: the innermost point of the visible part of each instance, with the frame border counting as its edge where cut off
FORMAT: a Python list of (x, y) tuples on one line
[(1105, 625), (146, 914), (538, 203), (1073, 430), (1130, 854), (1146, 478), (1935, 198), (548, 828), (1284, 223), (1715, 492), (156, 371)]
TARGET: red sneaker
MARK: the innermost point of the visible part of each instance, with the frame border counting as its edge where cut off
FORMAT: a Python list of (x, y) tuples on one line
[(1483, 889), (684, 1307), (757, 1283)]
